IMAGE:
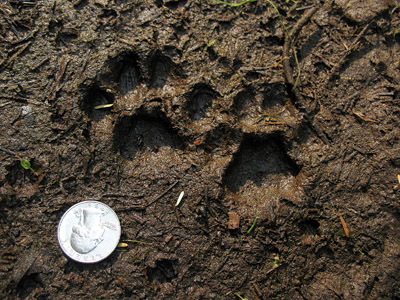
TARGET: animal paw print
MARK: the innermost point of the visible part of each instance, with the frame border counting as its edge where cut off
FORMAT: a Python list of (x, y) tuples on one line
[(162, 124)]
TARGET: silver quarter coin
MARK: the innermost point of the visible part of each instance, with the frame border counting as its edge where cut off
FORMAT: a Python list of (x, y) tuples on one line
[(89, 231)]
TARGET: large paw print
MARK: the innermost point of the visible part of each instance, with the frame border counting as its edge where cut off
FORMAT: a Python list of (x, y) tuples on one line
[(165, 126)]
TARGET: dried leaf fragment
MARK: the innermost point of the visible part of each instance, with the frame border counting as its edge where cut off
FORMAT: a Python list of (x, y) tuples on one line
[(344, 225), (234, 220)]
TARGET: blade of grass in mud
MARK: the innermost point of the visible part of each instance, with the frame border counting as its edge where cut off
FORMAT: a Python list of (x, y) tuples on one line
[(253, 225), (136, 241), (104, 106), (233, 4)]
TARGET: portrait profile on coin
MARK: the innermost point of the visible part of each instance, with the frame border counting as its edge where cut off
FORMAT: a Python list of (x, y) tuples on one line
[(87, 234)]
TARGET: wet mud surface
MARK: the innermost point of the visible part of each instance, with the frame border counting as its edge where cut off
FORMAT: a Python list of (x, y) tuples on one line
[(201, 104)]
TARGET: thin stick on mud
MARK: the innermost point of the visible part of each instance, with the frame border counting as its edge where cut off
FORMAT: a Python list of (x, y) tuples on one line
[(7, 151), (288, 72), (257, 290), (360, 116), (162, 194), (16, 54), (287, 69), (62, 65)]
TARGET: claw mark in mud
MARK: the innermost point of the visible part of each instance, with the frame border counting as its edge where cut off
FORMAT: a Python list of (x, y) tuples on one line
[(200, 99), (257, 160), (143, 132), (23, 183), (309, 226), (129, 77), (15, 173), (163, 271), (97, 96), (159, 71), (242, 101)]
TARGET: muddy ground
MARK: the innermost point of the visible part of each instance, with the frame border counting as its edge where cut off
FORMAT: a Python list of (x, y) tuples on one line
[(201, 104)]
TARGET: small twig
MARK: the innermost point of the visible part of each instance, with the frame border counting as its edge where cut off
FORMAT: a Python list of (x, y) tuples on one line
[(288, 45), (233, 4), (132, 207), (257, 289), (62, 65), (22, 241), (5, 104), (303, 8), (359, 150), (162, 194), (15, 55), (122, 195), (178, 219), (363, 118), (351, 101), (288, 72), (274, 123), (136, 241), (39, 64), (20, 99), (8, 151), (25, 38), (272, 269), (137, 218)]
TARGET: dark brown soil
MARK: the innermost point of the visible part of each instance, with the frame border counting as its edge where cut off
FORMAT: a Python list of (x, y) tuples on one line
[(201, 105)]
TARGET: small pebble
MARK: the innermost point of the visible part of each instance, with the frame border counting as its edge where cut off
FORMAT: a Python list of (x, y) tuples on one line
[(27, 109), (202, 211)]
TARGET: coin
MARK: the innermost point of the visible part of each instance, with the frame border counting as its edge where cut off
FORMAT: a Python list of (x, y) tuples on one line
[(89, 232)]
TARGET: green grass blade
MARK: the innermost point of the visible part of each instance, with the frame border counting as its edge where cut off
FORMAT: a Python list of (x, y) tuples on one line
[(232, 4), (252, 226)]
